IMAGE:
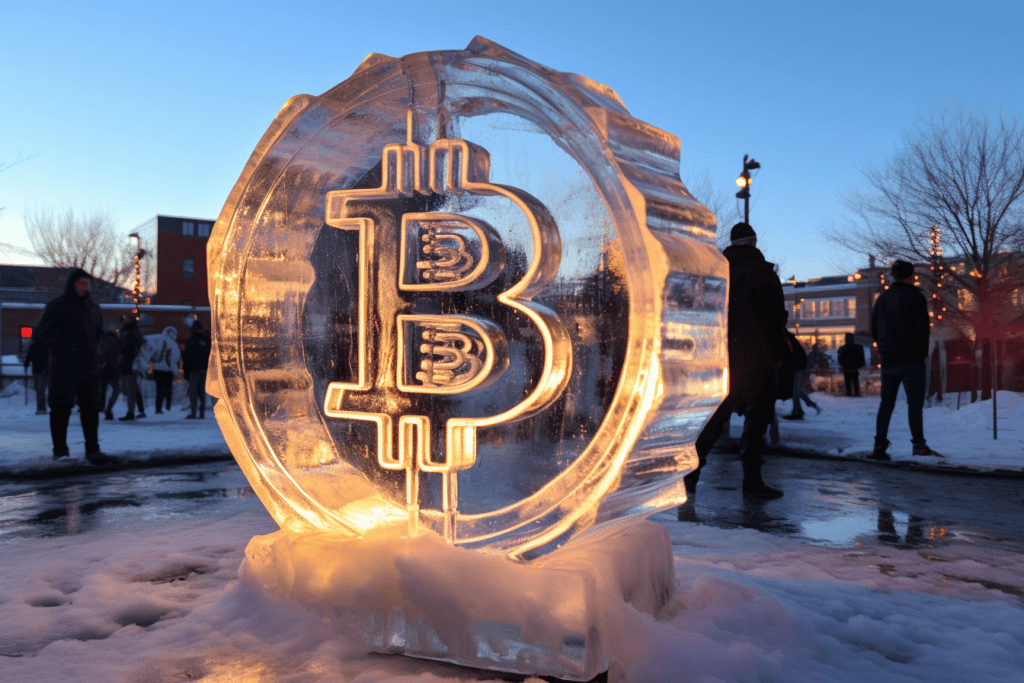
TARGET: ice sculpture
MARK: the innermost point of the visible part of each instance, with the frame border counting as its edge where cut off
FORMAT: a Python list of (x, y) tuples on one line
[(462, 296)]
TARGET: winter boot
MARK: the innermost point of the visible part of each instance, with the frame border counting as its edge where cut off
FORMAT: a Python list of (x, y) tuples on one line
[(754, 486), (879, 452), (97, 457)]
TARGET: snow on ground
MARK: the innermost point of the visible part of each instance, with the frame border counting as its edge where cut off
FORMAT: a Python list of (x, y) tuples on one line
[(163, 603), (846, 428), (26, 447)]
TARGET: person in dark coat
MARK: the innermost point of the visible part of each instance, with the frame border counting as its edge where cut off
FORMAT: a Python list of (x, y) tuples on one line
[(109, 375), (195, 360), (757, 348), (131, 344), (817, 360), (900, 326), (851, 360), (70, 329), (39, 359), (799, 361)]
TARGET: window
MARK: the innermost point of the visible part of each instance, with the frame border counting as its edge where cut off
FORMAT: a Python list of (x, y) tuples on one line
[(188, 228), (824, 308), (204, 229), (188, 267), (796, 310), (810, 309), (851, 308)]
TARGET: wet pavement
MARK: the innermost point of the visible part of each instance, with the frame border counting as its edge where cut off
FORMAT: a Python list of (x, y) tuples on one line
[(842, 503), (827, 502), (112, 501)]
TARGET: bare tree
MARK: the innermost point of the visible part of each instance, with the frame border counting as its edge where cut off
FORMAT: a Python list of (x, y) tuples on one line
[(89, 241), (722, 202), (718, 199), (962, 172)]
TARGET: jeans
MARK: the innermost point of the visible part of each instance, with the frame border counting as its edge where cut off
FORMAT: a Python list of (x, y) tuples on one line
[(851, 378), (911, 374), (753, 392), (115, 392), (164, 388), (40, 382), (197, 391), (132, 395), (66, 389), (799, 393)]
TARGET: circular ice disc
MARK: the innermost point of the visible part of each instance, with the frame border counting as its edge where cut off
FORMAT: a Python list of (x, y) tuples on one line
[(447, 295)]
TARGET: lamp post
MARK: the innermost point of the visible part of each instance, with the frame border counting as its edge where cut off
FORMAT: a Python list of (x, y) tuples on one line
[(137, 284), (744, 182)]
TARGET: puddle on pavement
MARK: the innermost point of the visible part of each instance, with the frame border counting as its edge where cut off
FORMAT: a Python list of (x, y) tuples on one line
[(887, 526), (235, 492)]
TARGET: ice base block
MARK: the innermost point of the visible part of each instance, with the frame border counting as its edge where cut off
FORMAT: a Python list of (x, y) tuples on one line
[(418, 596)]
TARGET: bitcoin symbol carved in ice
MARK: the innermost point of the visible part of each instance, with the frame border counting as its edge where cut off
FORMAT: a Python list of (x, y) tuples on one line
[(406, 358)]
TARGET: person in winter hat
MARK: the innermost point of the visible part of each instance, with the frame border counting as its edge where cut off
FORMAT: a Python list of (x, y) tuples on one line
[(70, 329), (132, 342), (757, 348), (851, 360), (194, 361), (109, 375), (900, 326)]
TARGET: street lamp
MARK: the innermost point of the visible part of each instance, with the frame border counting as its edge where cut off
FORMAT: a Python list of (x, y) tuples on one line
[(744, 182), (137, 284)]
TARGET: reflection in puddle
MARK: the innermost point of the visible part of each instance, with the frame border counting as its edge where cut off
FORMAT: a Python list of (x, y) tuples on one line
[(888, 526), (235, 492)]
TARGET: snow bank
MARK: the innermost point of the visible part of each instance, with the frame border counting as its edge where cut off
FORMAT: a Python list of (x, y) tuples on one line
[(163, 604)]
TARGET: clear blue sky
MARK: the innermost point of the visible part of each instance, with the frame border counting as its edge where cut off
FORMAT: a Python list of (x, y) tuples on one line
[(146, 108)]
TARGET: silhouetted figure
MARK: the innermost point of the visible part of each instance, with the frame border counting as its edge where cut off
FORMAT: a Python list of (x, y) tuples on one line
[(39, 359), (851, 360), (162, 351), (795, 374), (109, 375), (195, 360), (757, 348), (899, 324), (131, 345), (70, 328), (817, 360)]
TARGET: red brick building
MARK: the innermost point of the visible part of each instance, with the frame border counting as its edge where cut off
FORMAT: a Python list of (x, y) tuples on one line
[(177, 247), (173, 280)]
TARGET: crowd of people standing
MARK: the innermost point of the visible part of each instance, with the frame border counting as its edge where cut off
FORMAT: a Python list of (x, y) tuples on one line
[(74, 361)]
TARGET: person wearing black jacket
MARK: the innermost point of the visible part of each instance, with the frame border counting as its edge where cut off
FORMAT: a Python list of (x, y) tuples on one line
[(109, 375), (131, 344), (195, 360), (851, 360), (757, 347), (39, 359), (900, 326), (70, 328)]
